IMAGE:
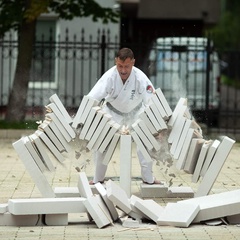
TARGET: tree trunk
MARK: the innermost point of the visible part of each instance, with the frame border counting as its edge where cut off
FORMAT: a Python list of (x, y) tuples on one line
[(18, 95)]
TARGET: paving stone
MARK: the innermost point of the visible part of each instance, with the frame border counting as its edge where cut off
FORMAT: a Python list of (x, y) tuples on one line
[(178, 214), (154, 190)]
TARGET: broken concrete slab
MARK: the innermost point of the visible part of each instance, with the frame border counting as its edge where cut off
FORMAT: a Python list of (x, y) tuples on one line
[(180, 192), (154, 190), (83, 185)]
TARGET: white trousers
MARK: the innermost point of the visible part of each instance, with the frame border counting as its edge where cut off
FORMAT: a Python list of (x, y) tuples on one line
[(100, 169)]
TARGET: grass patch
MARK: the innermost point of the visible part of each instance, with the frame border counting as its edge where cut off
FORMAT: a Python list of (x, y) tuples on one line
[(28, 124)]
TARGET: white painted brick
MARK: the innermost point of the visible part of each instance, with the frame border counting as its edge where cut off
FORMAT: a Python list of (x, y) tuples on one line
[(62, 119), (88, 122), (159, 106), (46, 206), (193, 154), (59, 125), (3, 208), (142, 136), (164, 102), (83, 186), (177, 111), (55, 99), (111, 208), (215, 166), (118, 196), (178, 214), (111, 148), (149, 135), (211, 152), (154, 190), (153, 119), (30, 165), (200, 161), (180, 192), (99, 129), (56, 219), (8, 219), (114, 128), (148, 123), (42, 151), (66, 192), (158, 116), (126, 163), (150, 208), (216, 205), (141, 147), (99, 215), (50, 146)]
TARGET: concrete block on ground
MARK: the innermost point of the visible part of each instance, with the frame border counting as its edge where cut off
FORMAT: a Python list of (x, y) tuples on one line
[(126, 163), (164, 102), (118, 196), (3, 208), (8, 219), (38, 178), (55, 219), (148, 123), (193, 155), (180, 192), (178, 214), (99, 215), (154, 190), (216, 205), (111, 208), (141, 147), (130, 223), (55, 99), (215, 166), (200, 161), (83, 185), (46, 206), (63, 192)]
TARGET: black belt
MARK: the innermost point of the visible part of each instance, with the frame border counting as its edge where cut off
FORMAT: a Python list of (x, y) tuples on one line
[(109, 105)]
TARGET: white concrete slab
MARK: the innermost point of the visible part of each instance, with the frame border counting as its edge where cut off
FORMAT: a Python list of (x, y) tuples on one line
[(83, 185), (56, 219), (140, 214), (159, 106), (118, 196), (178, 214), (38, 178), (154, 190), (215, 166), (164, 102), (158, 116), (46, 206), (3, 208), (148, 123), (64, 192), (180, 192), (153, 119)]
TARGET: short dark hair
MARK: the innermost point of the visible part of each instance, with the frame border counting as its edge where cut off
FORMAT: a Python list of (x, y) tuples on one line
[(125, 53)]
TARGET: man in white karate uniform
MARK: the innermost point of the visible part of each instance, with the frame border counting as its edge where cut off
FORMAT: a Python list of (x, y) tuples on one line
[(127, 91)]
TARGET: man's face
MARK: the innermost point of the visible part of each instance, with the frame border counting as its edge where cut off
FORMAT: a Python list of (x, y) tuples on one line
[(124, 67)]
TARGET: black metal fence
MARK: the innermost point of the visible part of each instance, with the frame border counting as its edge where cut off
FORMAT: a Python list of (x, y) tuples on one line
[(190, 68)]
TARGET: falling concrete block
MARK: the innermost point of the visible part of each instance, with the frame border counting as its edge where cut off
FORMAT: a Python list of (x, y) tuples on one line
[(150, 208), (153, 119), (159, 106), (3, 208), (193, 154), (215, 166), (153, 190), (164, 102), (201, 159), (34, 152), (99, 129), (142, 136), (64, 192), (182, 138), (30, 165), (55, 99), (51, 116), (8, 219), (148, 123), (211, 152), (178, 214), (180, 192), (83, 186), (42, 152), (178, 110), (50, 146), (111, 148), (55, 219), (158, 116), (118, 196), (61, 118), (114, 128), (88, 122), (148, 134), (126, 163), (141, 147), (46, 206), (97, 212), (183, 154), (111, 208), (216, 205)]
